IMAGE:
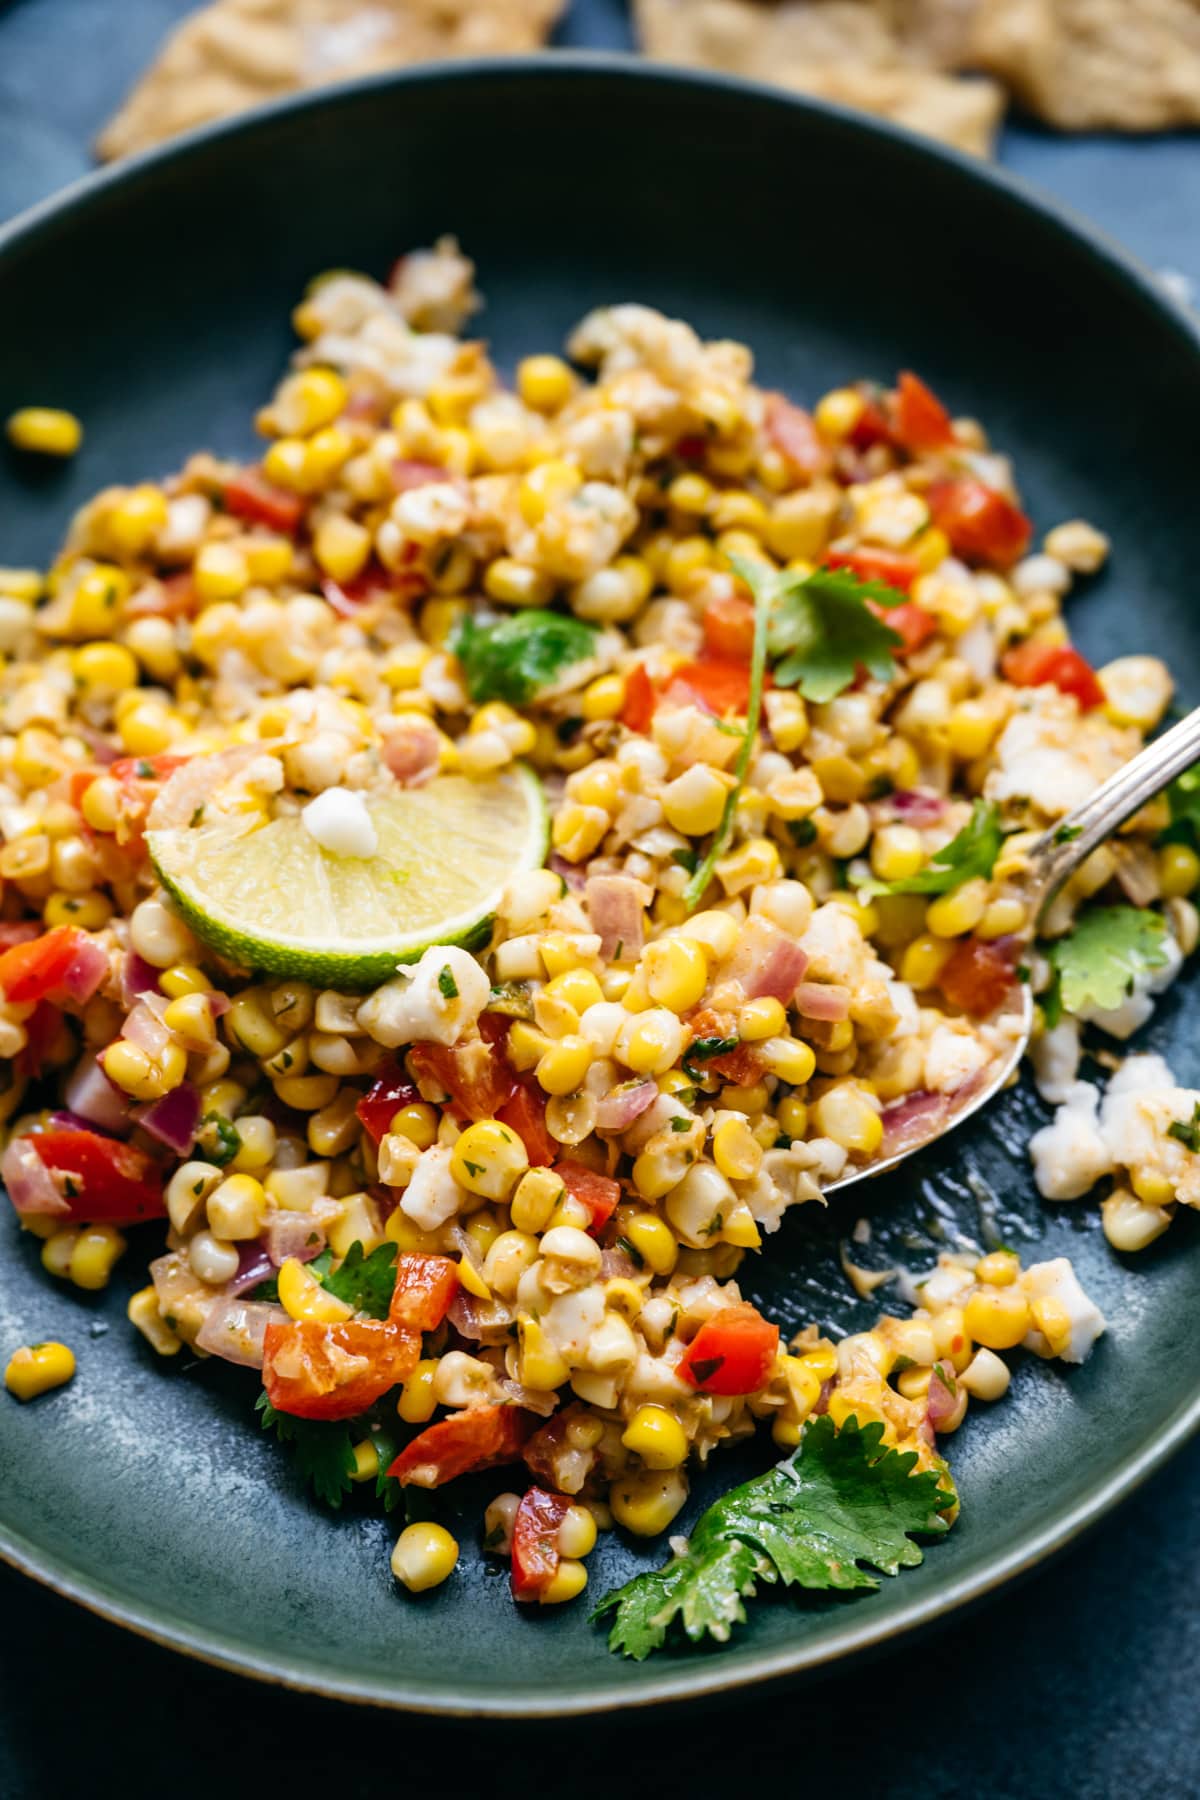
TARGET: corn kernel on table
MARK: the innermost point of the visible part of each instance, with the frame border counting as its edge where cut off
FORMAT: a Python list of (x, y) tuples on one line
[(1079, 1684)]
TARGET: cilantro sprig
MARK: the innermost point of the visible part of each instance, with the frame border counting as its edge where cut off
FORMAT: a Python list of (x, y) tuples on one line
[(822, 630), (761, 583), (1183, 798), (323, 1449), (972, 852), (363, 1282), (516, 657), (1097, 963), (841, 1507), (1187, 1131)]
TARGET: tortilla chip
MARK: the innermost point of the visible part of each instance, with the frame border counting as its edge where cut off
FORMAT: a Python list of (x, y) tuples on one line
[(872, 54), (1128, 65), (237, 53)]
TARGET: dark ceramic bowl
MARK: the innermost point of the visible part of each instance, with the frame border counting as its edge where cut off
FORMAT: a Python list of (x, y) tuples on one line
[(154, 301)]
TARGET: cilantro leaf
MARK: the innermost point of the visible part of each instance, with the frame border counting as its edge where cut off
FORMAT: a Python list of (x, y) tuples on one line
[(387, 1448), (514, 658), (821, 630), (702, 1050), (840, 1502), (323, 1448), (218, 1140), (1187, 1130), (1183, 797), (761, 582), (364, 1282), (1097, 963), (447, 986), (973, 852)]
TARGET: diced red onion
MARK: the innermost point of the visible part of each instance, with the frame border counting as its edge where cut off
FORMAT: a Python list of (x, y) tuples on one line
[(913, 1120), (138, 977), (821, 1000), (175, 1119), (533, 1399), (616, 906), (914, 806), (103, 752), (942, 1404), (567, 871), (412, 751), (778, 974), (149, 1033), (94, 1097), (235, 1329), (821, 1403), (407, 472), (624, 1104), (218, 1003), (294, 1234), (463, 1313), (254, 1266), (29, 1182), (616, 1265), (86, 970)]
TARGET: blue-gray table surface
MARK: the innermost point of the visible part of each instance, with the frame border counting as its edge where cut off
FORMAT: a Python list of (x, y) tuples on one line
[(1080, 1684)]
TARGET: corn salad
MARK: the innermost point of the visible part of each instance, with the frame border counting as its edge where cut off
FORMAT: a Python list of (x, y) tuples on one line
[(570, 1132)]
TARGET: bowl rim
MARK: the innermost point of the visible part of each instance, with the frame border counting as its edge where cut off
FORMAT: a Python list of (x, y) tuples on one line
[(857, 1633)]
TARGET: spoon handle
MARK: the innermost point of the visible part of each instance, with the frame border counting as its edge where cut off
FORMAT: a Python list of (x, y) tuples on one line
[(1062, 849)]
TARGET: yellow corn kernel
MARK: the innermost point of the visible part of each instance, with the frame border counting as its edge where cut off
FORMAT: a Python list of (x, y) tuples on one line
[(541, 1365), (579, 988), (1052, 1319), (366, 1461), (951, 1339), (269, 559), (95, 601), (765, 1017), (953, 915), (690, 493), (147, 729), (914, 1383), (302, 1296), (561, 1068), (183, 978), (324, 453), (603, 698), (220, 572), (36, 1368), (236, 1207), (144, 1315), (1001, 918), (1178, 870), (567, 1582), (470, 1278), (654, 1241), (131, 1069), (1151, 1187), (89, 911), (736, 1152), (95, 1255), (102, 668), (526, 1045), (488, 1158), (311, 400), (1000, 1268), (646, 1503), (190, 1017), (838, 412), (792, 1115), (136, 519), (997, 1318), (598, 785), (423, 1557), (546, 486), (45, 430), (924, 960), (686, 558), (307, 1093), (822, 1361), (517, 584), (970, 729), (21, 584), (676, 972), (657, 1437), (417, 1122), (654, 1044), (57, 1250), (577, 1533), (789, 1058), (694, 803), (845, 1114), (341, 546), (897, 851), (755, 861), (578, 830), (544, 383), (537, 1194), (100, 804), (417, 1404), (286, 464)]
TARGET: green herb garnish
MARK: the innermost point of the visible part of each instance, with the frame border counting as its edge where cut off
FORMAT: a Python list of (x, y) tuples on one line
[(363, 1282), (324, 1449), (973, 852), (840, 1507), (218, 1140), (447, 986), (702, 1050), (516, 657), (1187, 1130), (822, 630), (1098, 962)]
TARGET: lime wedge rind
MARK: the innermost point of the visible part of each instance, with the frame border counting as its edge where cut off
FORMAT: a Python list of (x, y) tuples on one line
[(487, 832)]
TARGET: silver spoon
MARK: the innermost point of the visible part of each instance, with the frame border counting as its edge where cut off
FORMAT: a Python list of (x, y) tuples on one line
[(1053, 860)]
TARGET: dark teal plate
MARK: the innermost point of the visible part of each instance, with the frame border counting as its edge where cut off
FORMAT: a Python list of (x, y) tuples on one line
[(154, 301)]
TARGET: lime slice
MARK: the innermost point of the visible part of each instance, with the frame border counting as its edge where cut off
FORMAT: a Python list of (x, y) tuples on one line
[(271, 898)]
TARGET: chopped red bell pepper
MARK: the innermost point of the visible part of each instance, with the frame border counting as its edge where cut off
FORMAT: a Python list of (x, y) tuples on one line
[(475, 1073), (41, 1029), (791, 431), (919, 420), (425, 1286), (640, 700), (65, 963), (1053, 665), (691, 448), (873, 426), (171, 597), (911, 623), (526, 1113), (979, 974), (390, 1090), (535, 1551), (599, 1193), (728, 624), (982, 524), (481, 1438), (408, 472), (317, 1371), (896, 567), (715, 682), (99, 1177), (732, 1353), (252, 497)]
